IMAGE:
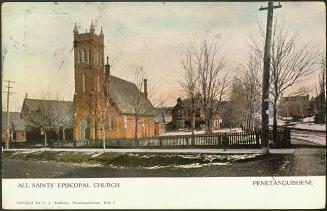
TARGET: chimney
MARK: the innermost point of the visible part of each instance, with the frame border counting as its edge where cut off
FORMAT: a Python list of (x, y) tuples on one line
[(146, 88), (107, 66)]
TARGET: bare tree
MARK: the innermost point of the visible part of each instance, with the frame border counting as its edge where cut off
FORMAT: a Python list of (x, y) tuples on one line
[(190, 82), (43, 117), (291, 60), (250, 81), (321, 94), (204, 78), (238, 110), (213, 83), (64, 118), (139, 100)]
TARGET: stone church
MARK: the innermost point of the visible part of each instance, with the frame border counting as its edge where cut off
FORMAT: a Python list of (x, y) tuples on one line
[(105, 105)]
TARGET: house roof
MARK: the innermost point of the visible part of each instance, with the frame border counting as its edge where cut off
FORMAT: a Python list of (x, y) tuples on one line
[(128, 99), (33, 104), (295, 98), (15, 120), (187, 103), (64, 109)]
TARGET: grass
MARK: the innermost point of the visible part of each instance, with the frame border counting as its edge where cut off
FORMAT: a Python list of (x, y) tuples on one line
[(130, 160), (67, 157)]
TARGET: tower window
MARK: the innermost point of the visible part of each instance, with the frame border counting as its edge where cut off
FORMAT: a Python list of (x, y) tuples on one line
[(98, 83), (78, 57), (83, 83), (83, 55), (96, 58), (88, 56)]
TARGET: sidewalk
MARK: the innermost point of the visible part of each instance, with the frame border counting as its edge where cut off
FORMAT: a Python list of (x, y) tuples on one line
[(209, 151), (308, 162)]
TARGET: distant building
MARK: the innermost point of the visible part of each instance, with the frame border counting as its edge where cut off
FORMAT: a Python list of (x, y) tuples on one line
[(105, 105), (296, 107), (165, 114), (182, 116), (16, 131)]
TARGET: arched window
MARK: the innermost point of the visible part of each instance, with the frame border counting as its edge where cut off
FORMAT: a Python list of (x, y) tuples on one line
[(88, 56), (100, 60), (83, 83), (78, 57), (95, 57), (98, 83), (83, 55)]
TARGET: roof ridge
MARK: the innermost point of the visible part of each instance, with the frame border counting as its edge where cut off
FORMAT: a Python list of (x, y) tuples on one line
[(115, 77), (48, 100)]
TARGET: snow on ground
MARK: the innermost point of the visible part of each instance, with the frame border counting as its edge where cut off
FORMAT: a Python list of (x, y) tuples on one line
[(180, 133), (229, 130), (198, 132), (315, 138), (309, 119), (207, 160), (310, 126), (280, 122)]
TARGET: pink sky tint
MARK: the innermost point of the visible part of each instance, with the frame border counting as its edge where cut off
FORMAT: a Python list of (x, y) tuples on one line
[(37, 39)]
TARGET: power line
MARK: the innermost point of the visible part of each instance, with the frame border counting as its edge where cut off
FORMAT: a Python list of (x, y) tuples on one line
[(265, 78), (8, 92)]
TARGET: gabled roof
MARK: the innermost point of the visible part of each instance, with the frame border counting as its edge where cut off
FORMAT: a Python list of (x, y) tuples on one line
[(33, 104), (296, 98), (15, 120), (128, 99), (56, 109)]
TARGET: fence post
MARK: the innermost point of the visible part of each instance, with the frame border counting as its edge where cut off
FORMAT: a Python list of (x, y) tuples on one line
[(257, 137), (137, 143)]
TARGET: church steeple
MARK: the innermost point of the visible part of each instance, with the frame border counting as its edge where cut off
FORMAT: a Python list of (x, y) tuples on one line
[(101, 32), (75, 29), (92, 28)]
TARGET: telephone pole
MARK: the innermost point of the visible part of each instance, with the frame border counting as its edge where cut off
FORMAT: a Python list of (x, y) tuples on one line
[(265, 79), (8, 92)]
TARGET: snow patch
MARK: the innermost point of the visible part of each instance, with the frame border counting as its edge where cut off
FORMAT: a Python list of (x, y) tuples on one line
[(96, 155), (315, 138)]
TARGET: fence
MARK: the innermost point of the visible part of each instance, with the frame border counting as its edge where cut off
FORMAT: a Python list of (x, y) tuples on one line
[(250, 139)]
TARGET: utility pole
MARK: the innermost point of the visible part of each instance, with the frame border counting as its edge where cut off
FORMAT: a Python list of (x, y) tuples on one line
[(265, 79), (8, 92)]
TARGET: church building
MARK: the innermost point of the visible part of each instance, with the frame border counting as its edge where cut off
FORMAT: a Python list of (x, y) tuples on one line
[(105, 105)]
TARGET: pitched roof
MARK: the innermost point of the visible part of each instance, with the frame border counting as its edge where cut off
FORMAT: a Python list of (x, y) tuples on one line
[(295, 98), (33, 104), (127, 97), (61, 109), (15, 120)]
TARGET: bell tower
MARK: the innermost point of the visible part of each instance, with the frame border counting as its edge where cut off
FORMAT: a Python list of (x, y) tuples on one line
[(90, 81)]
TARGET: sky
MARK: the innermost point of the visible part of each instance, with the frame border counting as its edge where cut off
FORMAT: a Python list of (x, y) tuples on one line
[(37, 40)]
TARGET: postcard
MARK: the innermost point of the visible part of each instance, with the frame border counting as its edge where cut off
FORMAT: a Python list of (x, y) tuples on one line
[(163, 105)]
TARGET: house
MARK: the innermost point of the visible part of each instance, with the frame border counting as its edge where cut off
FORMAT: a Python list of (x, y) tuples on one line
[(106, 106), (165, 113), (16, 131), (295, 106), (54, 116), (182, 115)]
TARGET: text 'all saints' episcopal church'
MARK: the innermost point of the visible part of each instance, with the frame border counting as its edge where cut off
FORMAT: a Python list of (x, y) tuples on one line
[(105, 105)]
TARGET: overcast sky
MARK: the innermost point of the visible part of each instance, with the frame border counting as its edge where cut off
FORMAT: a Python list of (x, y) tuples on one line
[(37, 39)]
